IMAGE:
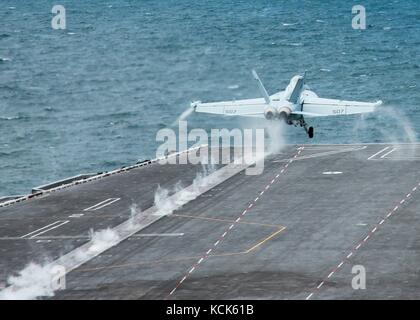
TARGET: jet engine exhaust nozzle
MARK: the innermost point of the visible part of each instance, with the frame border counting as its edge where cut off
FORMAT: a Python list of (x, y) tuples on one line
[(270, 113), (284, 113)]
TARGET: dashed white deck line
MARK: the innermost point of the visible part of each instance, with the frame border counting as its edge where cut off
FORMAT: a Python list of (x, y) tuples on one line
[(379, 152), (232, 225), (381, 222)]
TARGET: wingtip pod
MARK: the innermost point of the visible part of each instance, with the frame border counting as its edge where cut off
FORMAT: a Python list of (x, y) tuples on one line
[(254, 74), (377, 104)]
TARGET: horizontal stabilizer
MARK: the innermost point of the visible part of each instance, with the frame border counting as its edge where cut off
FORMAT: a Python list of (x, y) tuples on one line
[(320, 107)]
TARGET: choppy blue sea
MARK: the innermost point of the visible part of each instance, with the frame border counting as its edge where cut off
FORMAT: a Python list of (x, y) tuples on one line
[(92, 97)]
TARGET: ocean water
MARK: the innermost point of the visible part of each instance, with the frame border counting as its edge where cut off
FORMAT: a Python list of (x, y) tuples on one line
[(92, 97)]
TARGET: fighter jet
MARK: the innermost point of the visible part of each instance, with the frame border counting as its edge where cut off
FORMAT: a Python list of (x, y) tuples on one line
[(290, 106)]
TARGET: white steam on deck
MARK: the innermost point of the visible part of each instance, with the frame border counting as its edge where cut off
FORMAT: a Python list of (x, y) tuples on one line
[(39, 280), (167, 204)]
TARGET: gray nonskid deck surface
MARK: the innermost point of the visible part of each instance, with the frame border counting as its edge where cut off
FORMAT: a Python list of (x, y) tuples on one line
[(308, 219), (53, 210)]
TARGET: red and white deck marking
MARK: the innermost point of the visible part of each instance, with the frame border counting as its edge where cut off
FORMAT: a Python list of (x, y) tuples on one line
[(359, 244), (205, 256)]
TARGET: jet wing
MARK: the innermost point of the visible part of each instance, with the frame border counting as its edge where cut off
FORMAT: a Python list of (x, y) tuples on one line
[(247, 107), (321, 107)]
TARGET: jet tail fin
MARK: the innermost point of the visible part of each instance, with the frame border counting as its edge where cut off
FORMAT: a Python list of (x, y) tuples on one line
[(293, 90)]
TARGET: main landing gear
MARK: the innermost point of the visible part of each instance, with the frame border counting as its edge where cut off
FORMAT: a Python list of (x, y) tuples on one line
[(309, 130)]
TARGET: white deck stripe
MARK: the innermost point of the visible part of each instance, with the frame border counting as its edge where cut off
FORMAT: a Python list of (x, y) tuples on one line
[(107, 204), (374, 155), (389, 152), (102, 204), (87, 251), (40, 229), (179, 234), (49, 229)]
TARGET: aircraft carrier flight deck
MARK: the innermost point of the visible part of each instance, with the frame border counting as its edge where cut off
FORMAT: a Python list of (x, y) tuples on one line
[(296, 231)]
